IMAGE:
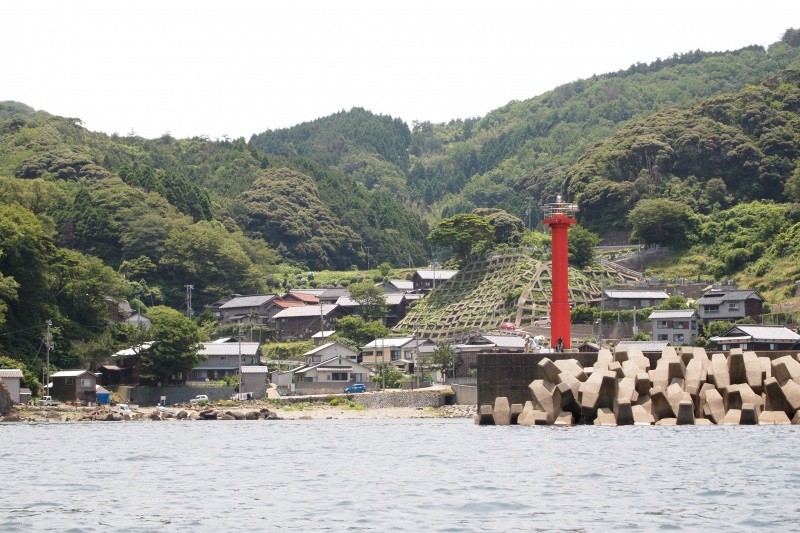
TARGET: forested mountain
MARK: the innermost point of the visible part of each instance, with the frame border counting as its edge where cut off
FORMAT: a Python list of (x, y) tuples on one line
[(729, 149), (524, 149)]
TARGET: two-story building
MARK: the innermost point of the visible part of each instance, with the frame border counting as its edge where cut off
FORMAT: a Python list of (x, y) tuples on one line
[(246, 309), (619, 299), (401, 352), (221, 359), (304, 321), (729, 304), (679, 327)]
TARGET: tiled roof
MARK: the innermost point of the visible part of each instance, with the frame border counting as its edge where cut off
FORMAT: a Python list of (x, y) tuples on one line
[(637, 294), (255, 369), (645, 346), (10, 373), (767, 333), (305, 310), (227, 348), (389, 342), (247, 301), (438, 274), (307, 297), (506, 341), (672, 313), (70, 373)]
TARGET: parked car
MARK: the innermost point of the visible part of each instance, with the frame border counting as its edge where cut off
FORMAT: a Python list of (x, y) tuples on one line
[(48, 400), (199, 398), (242, 396), (123, 409), (356, 387)]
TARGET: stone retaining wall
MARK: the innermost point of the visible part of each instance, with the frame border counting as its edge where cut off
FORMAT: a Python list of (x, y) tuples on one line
[(402, 399)]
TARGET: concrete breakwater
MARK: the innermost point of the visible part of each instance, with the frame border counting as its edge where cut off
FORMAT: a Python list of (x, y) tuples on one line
[(685, 387)]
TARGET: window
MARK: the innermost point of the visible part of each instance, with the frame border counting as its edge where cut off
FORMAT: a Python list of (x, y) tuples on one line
[(339, 376), (733, 306), (694, 324), (663, 337), (678, 337), (644, 303), (663, 324), (680, 325), (395, 355), (69, 381), (711, 309)]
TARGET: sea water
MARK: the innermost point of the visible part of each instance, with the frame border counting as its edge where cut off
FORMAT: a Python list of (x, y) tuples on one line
[(395, 475)]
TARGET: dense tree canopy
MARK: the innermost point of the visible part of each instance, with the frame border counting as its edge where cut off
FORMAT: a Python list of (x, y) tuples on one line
[(462, 233), (175, 349)]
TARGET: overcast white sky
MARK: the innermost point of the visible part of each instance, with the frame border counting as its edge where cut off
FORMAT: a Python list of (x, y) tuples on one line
[(235, 68)]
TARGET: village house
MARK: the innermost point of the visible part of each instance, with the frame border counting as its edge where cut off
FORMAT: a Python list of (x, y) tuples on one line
[(120, 311), (316, 368), (338, 371), (74, 385), (328, 351), (396, 307), (123, 366), (302, 322), (679, 327), (304, 296), (397, 285), (756, 338), (401, 352), (428, 279), (723, 303), (246, 309), (12, 378), (632, 299), (222, 358)]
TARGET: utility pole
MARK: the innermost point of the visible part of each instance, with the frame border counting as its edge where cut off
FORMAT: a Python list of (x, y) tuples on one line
[(189, 311), (47, 341), (240, 362), (528, 211)]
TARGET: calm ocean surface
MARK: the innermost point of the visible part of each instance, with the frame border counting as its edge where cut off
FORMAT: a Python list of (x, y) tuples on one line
[(395, 475)]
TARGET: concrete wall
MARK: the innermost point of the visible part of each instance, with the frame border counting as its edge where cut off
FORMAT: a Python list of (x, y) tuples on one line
[(510, 374), (152, 395), (465, 394)]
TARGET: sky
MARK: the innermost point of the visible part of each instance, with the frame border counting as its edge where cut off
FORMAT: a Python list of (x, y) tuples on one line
[(235, 68)]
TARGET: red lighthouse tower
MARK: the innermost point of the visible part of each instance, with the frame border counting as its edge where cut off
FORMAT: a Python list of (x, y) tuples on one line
[(560, 216)]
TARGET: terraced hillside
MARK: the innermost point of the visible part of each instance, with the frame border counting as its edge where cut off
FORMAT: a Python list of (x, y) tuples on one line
[(504, 288)]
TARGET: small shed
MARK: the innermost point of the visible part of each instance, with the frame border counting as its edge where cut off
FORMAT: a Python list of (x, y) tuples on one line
[(12, 377), (74, 385), (255, 379)]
